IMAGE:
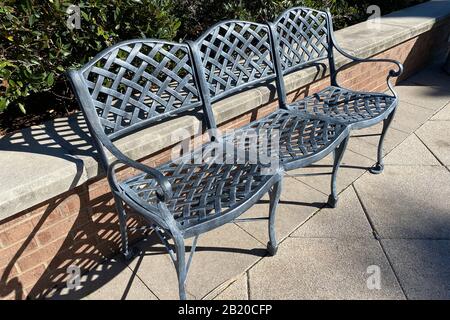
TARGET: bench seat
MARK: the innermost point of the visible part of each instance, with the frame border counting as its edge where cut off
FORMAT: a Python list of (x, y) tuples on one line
[(209, 188), (359, 109), (302, 138)]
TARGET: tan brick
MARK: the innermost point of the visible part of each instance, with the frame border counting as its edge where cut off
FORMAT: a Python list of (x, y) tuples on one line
[(29, 278), (99, 189), (42, 255), (73, 203), (15, 220), (59, 230), (8, 272), (12, 253), (47, 219), (16, 233)]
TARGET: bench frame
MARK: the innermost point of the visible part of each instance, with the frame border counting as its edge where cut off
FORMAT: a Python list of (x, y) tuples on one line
[(159, 215)]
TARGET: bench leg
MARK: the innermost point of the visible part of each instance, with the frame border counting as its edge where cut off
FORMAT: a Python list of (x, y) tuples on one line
[(379, 166), (180, 265), (338, 154), (123, 227), (274, 195)]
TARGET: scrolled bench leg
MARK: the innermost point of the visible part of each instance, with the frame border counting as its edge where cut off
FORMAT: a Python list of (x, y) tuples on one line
[(274, 195), (379, 166), (338, 154)]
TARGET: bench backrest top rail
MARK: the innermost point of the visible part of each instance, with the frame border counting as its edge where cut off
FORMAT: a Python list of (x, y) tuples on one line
[(136, 83)]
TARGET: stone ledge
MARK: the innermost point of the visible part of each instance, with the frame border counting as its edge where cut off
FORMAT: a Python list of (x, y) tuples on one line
[(44, 161)]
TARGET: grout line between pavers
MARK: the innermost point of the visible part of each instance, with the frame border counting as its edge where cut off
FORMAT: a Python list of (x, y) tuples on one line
[(136, 274), (295, 177), (420, 139), (233, 280), (237, 225), (440, 162), (393, 269), (422, 107), (308, 218), (378, 239), (366, 213)]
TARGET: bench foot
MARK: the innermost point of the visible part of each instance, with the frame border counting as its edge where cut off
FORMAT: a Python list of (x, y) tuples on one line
[(377, 168), (130, 253), (332, 201), (272, 250)]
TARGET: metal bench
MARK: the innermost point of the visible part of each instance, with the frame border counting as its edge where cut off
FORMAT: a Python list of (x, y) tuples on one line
[(138, 83), (304, 37)]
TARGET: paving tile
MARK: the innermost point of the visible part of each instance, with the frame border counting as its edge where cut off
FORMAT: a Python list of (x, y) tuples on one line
[(238, 290), (436, 136), (298, 202), (411, 152), (409, 117), (432, 98), (365, 141), (324, 269), (408, 201), (221, 255), (443, 114), (422, 267), (432, 76), (112, 280), (346, 221), (318, 175)]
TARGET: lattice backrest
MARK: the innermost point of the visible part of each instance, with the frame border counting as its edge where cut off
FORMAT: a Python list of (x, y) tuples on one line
[(234, 55), (303, 37), (138, 82)]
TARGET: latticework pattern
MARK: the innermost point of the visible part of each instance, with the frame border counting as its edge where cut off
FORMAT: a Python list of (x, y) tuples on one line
[(141, 81), (346, 105), (234, 54), (206, 184), (303, 36), (299, 135)]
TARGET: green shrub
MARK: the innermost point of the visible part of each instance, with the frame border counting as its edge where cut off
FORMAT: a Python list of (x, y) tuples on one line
[(36, 46)]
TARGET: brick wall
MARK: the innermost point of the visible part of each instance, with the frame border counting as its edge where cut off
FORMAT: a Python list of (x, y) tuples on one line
[(80, 227)]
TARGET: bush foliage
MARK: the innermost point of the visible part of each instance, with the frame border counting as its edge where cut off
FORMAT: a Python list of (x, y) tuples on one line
[(36, 45)]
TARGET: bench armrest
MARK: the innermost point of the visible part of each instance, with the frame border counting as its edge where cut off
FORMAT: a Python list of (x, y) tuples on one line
[(392, 73), (163, 182)]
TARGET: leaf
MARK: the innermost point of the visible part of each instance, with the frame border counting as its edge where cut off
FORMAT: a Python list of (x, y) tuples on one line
[(3, 104), (22, 107), (50, 79)]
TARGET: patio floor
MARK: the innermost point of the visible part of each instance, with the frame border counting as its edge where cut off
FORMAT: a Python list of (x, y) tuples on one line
[(393, 227)]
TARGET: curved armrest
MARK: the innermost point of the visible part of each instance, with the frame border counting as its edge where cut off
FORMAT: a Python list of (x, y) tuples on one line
[(392, 72), (162, 180)]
